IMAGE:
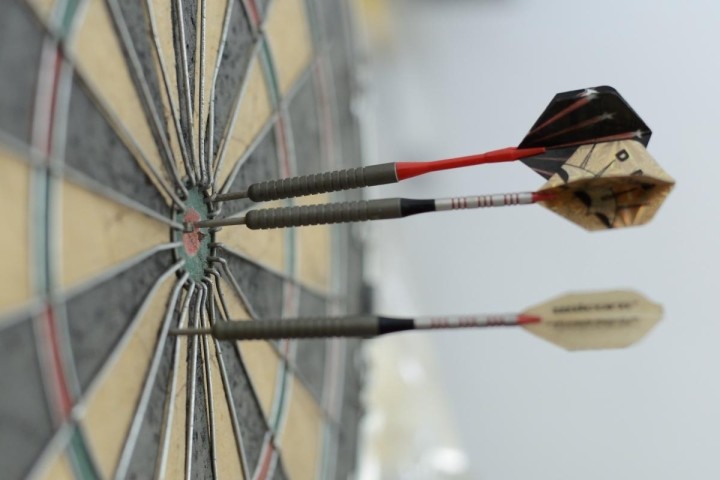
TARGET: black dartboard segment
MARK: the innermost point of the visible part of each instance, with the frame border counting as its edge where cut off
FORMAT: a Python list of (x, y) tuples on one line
[(118, 120)]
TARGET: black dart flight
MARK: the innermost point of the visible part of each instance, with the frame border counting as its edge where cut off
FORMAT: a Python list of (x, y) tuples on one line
[(572, 119)]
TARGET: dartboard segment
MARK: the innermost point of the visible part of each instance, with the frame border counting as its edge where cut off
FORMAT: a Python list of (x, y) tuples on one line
[(27, 421), (15, 272), (97, 234), (251, 112), (18, 27), (288, 33)]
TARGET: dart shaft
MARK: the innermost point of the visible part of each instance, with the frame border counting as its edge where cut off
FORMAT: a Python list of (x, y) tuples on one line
[(350, 326), (405, 170)]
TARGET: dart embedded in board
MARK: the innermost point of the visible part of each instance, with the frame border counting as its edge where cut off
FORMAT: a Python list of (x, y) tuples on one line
[(576, 321), (571, 120), (600, 186)]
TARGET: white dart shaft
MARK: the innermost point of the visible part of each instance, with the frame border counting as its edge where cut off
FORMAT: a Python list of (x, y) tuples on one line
[(482, 201)]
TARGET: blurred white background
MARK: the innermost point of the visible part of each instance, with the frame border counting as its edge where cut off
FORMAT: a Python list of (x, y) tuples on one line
[(460, 77)]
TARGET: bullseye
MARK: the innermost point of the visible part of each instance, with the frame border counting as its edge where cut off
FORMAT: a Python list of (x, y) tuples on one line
[(195, 243)]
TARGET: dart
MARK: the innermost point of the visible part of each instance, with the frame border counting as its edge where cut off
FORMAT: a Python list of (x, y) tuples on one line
[(576, 321), (572, 119), (601, 186)]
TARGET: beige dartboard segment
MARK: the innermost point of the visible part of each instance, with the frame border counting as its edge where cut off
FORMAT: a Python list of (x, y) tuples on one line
[(598, 320), (57, 468), (608, 185), (267, 247), (44, 8), (226, 444), (300, 440), (98, 233), (15, 247), (250, 115), (288, 33)]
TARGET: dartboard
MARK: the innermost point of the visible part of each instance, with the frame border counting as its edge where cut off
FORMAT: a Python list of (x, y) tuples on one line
[(119, 121)]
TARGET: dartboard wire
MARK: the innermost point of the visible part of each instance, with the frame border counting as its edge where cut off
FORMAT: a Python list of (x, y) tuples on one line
[(206, 360), (210, 157), (186, 84), (169, 410), (237, 102), (166, 154), (268, 458), (144, 400), (221, 296), (253, 15), (30, 309), (28, 154), (80, 406), (236, 286), (231, 407), (91, 185), (174, 109), (191, 392), (204, 173)]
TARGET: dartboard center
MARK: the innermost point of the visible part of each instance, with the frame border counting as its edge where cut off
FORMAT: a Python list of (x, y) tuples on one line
[(195, 245)]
